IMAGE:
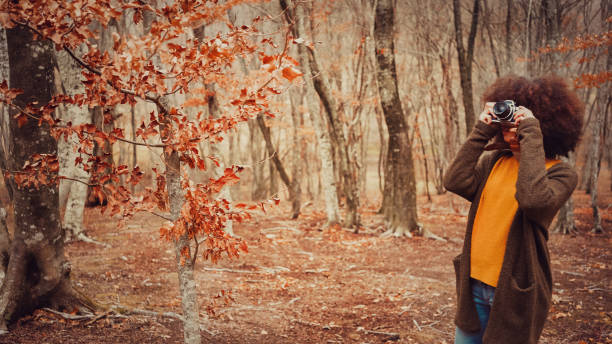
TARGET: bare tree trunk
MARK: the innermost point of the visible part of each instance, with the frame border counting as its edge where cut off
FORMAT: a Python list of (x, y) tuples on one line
[(221, 151), (5, 131), (565, 220), (297, 15), (465, 60), (382, 161), (595, 158), (134, 147), (182, 249), (74, 192), (258, 190), (103, 118), (293, 185), (400, 185), (330, 191), (38, 273)]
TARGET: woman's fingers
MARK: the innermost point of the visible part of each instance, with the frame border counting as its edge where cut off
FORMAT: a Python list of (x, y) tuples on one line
[(485, 115), (522, 113)]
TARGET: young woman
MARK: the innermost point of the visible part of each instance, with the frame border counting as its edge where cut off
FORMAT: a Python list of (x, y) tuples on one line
[(504, 282)]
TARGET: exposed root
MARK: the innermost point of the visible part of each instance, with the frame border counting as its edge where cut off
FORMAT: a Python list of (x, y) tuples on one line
[(85, 238), (565, 229), (429, 235), (127, 311), (396, 233), (122, 310)]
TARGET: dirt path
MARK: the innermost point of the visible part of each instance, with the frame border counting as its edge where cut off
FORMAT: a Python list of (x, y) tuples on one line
[(299, 284)]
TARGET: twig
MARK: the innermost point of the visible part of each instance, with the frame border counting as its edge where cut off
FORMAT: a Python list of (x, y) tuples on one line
[(234, 271), (278, 229), (98, 317), (313, 324), (417, 324), (391, 335), (571, 273), (147, 312), (69, 316)]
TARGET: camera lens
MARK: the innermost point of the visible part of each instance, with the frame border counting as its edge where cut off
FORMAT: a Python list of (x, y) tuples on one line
[(502, 110)]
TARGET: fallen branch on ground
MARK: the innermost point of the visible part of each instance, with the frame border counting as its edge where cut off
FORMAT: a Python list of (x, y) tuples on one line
[(85, 238), (390, 335)]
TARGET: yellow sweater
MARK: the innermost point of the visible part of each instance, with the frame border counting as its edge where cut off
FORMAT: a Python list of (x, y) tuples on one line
[(493, 219)]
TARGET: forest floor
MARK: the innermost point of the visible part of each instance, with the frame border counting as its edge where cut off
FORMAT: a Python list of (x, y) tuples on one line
[(301, 283)]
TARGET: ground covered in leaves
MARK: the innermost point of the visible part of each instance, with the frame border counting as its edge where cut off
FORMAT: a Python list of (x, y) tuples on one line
[(302, 283)]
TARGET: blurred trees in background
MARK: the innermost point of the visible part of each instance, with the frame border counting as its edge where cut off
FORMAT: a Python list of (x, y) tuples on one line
[(382, 93), (329, 137)]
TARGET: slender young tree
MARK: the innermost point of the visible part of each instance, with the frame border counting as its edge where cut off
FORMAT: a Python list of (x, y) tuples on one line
[(154, 68), (465, 58), (297, 15)]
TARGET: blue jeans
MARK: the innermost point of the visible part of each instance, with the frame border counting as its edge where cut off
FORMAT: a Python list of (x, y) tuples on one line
[(483, 298)]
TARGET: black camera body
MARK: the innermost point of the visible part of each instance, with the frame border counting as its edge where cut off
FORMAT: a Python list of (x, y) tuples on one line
[(503, 112)]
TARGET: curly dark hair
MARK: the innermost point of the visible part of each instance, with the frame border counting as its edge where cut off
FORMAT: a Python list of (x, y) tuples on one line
[(552, 102)]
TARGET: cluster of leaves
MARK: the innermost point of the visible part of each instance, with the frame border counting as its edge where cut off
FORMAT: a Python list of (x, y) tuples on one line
[(586, 42), (164, 61)]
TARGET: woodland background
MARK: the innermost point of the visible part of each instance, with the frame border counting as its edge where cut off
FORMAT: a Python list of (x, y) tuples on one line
[(346, 112)]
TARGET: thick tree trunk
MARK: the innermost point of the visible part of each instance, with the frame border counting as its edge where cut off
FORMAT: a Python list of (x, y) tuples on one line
[(400, 187), (74, 193), (465, 60), (38, 273)]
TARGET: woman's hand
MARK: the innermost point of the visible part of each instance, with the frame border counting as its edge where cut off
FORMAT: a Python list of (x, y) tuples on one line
[(486, 114), (521, 114)]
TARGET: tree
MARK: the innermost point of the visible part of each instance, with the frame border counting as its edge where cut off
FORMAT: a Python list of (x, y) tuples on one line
[(74, 192), (400, 187), (465, 57), (37, 272), (296, 16), (163, 62)]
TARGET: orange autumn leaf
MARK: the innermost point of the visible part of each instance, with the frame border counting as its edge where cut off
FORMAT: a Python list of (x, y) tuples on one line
[(290, 73)]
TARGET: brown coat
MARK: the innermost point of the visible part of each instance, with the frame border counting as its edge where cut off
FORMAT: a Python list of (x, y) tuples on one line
[(524, 288)]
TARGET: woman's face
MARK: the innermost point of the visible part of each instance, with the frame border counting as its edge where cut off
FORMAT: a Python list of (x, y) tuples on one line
[(511, 138)]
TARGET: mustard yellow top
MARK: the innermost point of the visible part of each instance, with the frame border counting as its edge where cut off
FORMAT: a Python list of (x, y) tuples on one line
[(493, 219)]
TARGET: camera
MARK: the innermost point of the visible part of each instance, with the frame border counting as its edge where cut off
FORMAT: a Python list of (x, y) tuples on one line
[(504, 111)]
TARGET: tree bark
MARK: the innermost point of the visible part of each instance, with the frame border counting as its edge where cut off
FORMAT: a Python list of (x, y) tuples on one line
[(465, 60), (565, 220), (595, 158), (182, 249), (400, 186), (296, 15), (221, 151), (292, 184), (38, 273), (258, 191), (330, 191), (73, 192)]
